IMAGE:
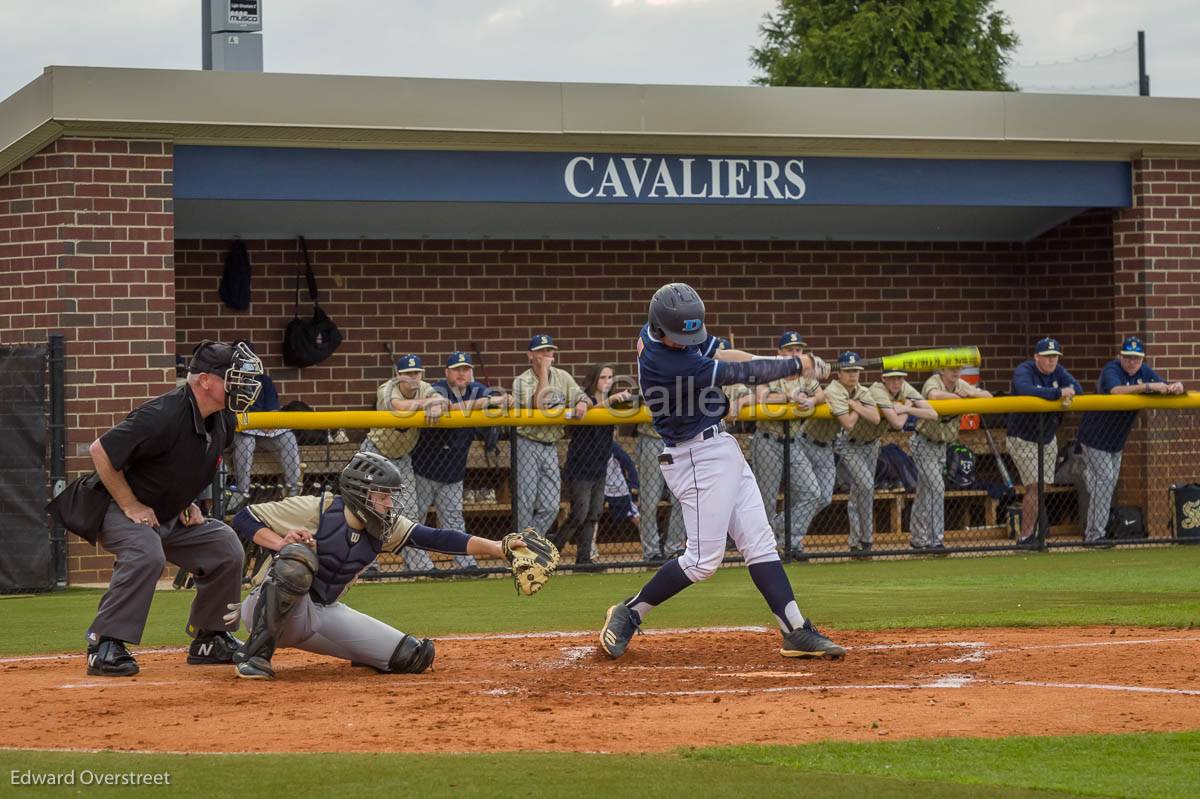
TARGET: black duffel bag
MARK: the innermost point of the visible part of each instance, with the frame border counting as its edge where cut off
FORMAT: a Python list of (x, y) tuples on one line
[(309, 341), (1125, 521), (1185, 510), (81, 506)]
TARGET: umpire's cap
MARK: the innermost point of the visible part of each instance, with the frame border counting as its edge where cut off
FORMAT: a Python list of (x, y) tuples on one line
[(677, 310)]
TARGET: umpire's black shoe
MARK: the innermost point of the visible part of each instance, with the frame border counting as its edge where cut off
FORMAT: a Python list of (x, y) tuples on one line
[(212, 649), (110, 658), (620, 624), (807, 642)]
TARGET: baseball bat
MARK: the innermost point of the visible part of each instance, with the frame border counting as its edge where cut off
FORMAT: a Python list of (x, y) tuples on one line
[(926, 360), (1008, 481)]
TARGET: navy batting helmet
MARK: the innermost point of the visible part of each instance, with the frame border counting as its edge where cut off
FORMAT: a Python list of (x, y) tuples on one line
[(678, 312)]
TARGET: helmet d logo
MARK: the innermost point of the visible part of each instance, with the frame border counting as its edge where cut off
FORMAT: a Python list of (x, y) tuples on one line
[(691, 325)]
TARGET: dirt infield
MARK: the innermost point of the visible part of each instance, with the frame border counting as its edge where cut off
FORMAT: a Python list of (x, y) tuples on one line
[(557, 691)]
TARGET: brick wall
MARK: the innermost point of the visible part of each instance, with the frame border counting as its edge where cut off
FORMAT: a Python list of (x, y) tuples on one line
[(1156, 279), (432, 297), (87, 250)]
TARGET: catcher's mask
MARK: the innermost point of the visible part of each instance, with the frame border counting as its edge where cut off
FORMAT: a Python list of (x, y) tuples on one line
[(236, 364), (372, 488)]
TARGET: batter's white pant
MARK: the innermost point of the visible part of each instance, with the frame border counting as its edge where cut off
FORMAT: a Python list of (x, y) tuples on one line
[(337, 630), (719, 497)]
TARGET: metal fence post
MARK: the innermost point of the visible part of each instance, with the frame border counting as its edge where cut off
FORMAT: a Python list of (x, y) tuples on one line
[(513, 477), (787, 491), (1042, 521), (58, 450)]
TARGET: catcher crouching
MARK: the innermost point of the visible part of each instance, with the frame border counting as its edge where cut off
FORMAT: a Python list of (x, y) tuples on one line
[(324, 543)]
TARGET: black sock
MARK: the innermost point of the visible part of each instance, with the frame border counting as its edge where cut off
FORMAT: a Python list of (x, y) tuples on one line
[(668, 581), (771, 581)]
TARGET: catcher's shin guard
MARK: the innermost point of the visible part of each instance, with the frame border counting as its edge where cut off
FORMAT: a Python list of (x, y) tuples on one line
[(288, 580), (411, 656)]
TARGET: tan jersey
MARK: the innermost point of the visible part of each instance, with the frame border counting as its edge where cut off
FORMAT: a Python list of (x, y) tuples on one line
[(945, 429), (648, 431), (786, 386), (396, 442), (733, 393), (561, 392), (884, 399), (838, 400)]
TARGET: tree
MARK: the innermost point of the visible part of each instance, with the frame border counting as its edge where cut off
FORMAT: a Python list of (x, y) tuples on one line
[(886, 44)]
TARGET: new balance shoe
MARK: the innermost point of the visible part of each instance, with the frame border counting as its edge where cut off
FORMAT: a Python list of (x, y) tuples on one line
[(212, 649), (807, 642), (110, 658), (620, 624)]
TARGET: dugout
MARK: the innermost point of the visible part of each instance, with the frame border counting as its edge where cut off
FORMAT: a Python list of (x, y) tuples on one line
[(442, 214)]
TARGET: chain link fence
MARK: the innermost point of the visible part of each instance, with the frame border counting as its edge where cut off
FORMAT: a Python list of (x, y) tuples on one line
[(969, 484)]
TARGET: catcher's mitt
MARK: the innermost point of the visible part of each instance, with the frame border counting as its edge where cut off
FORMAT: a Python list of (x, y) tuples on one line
[(533, 562)]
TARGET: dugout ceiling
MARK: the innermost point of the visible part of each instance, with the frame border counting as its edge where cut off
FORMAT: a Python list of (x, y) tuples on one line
[(270, 155)]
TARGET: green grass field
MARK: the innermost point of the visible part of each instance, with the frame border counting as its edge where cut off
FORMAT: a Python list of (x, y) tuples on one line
[(1152, 587)]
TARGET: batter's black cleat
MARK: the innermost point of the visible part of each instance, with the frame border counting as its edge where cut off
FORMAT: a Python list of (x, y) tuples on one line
[(620, 624), (255, 668), (212, 649), (110, 658), (807, 642)]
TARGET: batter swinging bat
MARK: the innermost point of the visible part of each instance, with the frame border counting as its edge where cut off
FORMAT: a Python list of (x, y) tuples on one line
[(925, 360)]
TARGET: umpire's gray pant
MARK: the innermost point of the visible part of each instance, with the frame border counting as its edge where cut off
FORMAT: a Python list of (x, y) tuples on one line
[(447, 498), (928, 518), (816, 471), (859, 460), (337, 630), (1100, 473), (211, 551), (651, 485), (416, 560), (539, 484)]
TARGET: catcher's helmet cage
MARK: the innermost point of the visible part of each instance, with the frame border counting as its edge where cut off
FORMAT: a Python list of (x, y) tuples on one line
[(369, 472)]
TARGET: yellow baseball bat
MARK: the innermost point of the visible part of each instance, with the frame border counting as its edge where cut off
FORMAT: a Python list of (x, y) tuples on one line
[(925, 360)]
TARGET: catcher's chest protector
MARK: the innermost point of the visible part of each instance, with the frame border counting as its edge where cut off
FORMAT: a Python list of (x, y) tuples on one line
[(342, 553)]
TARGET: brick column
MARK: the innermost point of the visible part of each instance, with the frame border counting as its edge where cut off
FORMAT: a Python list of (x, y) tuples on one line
[(87, 250), (1156, 275)]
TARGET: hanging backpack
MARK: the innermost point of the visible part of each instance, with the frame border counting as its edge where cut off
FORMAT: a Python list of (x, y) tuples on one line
[(309, 341), (960, 467), (235, 280)]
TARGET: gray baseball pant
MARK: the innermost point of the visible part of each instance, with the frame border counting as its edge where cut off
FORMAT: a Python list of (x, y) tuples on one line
[(1100, 473), (447, 498), (211, 551), (285, 448), (336, 630), (928, 518), (816, 471), (539, 484), (860, 463), (587, 503), (652, 484)]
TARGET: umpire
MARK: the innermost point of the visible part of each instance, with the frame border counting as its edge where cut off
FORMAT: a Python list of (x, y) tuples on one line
[(153, 464)]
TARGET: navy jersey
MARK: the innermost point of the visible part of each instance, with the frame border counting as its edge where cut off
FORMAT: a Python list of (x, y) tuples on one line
[(441, 454), (681, 387), (1028, 381), (1108, 430)]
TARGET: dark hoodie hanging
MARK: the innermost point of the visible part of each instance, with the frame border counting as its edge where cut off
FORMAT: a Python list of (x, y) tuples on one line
[(309, 341), (235, 280)]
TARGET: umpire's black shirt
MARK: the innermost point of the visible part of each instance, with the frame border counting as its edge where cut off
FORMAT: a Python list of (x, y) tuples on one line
[(168, 450)]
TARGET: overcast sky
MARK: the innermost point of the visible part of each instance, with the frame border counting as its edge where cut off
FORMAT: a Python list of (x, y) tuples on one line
[(621, 41)]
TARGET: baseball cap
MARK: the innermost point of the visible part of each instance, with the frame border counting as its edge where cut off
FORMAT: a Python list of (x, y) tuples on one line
[(848, 362), (723, 343), (1048, 346), (542, 341), (895, 373), (409, 363), (212, 357), (1133, 346), (458, 359), (792, 339)]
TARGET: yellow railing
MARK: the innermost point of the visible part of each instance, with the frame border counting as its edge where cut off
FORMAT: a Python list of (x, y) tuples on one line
[(523, 417)]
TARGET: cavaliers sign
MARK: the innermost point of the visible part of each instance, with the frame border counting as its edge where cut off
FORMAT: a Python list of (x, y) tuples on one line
[(669, 178)]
